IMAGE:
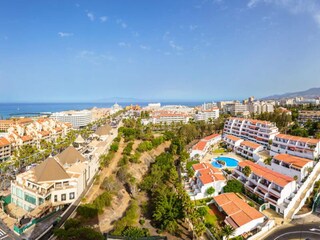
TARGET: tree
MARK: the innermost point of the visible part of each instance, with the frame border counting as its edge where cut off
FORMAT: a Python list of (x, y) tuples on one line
[(233, 186), (202, 211), (246, 171), (267, 161), (227, 231), (210, 191), (135, 232)]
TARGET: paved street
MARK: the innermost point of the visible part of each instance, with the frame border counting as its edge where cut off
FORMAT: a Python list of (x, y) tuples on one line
[(309, 231)]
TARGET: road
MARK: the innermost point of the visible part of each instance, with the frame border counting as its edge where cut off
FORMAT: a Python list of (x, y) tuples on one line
[(310, 231), (6, 233)]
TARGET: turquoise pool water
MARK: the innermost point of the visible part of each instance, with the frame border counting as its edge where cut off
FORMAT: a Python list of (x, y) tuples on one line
[(229, 162)]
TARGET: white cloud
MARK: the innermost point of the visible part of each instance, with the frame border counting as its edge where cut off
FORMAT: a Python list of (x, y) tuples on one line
[(94, 58), (65, 34), (122, 23), (310, 7), (103, 18), (124, 44), (144, 47), (90, 15), (175, 46)]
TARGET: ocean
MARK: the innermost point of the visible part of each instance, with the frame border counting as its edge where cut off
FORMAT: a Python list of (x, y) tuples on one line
[(8, 110)]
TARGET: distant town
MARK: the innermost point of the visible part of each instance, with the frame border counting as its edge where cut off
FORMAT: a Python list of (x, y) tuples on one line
[(232, 170)]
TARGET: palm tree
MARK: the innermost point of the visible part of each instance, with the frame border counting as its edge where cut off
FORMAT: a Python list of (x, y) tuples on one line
[(227, 231), (267, 161), (246, 171)]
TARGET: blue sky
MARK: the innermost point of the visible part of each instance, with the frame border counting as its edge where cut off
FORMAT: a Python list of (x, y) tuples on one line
[(57, 51)]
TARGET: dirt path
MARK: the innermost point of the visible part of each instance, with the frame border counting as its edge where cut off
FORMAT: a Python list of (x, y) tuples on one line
[(107, 171)]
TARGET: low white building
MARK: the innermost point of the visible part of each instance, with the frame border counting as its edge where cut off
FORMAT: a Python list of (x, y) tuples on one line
[(232, 141), (205, 176), (270, 186), (289, 165), (202, 147), (239, 215), (249, 150)]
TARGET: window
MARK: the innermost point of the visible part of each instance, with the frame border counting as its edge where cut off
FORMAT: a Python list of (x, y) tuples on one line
[(63, 197), (71, 195), (29, 198), (55, 198)]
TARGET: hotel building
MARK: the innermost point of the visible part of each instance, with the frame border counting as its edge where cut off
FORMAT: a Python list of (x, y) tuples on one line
[(297, 146), (76, 118), (166, 117), (313, 116), (232, 142), (254, 130), (268, 185)]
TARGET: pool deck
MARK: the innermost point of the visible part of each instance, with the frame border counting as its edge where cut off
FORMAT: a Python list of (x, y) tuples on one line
[(208, 157)]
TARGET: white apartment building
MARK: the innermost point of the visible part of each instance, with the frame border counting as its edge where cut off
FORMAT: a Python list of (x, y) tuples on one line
[(232, 142), (251, 129), (260, 107), (313, 116), (202, 147), (57, 181), (205, 176), (297, 146), (268, 185), (5, 149), (289, 165), (238, 214), (206, 115), (164, 117), (76, 118), (249, 150)]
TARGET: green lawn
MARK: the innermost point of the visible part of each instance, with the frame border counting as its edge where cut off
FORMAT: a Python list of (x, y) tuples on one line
[(219, 151), (190, 163), (210, 218)]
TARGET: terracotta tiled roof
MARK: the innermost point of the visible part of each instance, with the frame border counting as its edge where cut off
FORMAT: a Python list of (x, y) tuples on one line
[(4, 142), (295, 161), (26, 138), (212, 136), (298, 139), (233, 138), (272, 176), (250, 144), (238, 212), (200, 146), (208, 173)]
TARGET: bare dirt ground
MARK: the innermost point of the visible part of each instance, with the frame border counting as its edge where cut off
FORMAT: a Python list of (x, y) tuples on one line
[(95, 190)]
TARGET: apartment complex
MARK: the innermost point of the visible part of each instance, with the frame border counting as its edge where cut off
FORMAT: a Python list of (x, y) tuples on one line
[(289, 165), (205, 176), (268, 185), (206, 115), (5, 149), (251, 129), (297, 146), (305, 116), (202, 147), (57, 181), (238, 214), (76, 118), (5, 124), (249, 150)]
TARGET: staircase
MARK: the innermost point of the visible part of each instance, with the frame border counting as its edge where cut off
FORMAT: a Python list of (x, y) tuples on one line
[(302, 194)]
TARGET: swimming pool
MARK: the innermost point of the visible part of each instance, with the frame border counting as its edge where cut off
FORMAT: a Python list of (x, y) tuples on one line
[(229, 162)]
